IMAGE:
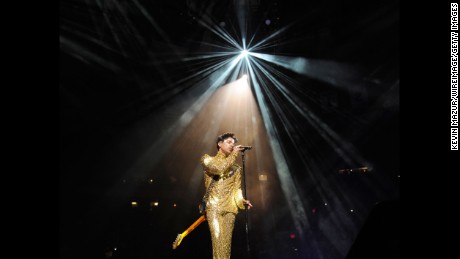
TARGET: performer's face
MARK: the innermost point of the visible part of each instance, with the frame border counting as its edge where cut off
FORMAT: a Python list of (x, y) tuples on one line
[(227, 145)]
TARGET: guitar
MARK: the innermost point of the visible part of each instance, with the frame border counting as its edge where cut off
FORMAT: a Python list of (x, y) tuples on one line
[(179, 237)]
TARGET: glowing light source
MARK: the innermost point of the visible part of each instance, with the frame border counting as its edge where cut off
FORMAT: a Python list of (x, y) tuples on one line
[(263, 178)]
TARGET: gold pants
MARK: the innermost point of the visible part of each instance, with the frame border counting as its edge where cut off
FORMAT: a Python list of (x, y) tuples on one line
[(221, 227)]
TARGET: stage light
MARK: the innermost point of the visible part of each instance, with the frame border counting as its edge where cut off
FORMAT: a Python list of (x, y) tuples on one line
[(263, 178)]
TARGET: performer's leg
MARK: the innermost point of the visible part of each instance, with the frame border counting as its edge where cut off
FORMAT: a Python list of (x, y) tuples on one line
[(221, 228)]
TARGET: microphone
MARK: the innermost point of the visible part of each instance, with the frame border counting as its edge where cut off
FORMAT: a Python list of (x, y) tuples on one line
[(246, 148)]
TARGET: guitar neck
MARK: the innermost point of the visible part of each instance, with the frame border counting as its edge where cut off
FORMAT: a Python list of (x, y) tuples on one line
[(179, 238), (194, 225)]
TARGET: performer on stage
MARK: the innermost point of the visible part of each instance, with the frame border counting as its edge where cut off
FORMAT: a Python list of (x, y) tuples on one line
[(225, 197)]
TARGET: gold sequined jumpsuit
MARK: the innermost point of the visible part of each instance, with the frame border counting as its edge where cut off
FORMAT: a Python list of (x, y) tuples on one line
[(224, 200)]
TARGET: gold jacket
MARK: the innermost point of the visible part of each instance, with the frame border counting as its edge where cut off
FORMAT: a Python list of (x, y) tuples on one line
[(225, 194)]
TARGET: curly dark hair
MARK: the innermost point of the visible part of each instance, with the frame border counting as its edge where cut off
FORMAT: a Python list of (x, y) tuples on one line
[(224, 137)]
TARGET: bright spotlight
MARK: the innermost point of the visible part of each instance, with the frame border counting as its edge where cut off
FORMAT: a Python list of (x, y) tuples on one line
[(244, 53)]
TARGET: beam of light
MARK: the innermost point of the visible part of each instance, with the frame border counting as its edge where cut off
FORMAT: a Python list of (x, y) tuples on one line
[(233, 108), (294, 86), (265, 43), (344, 148), (85, 55), (207, 23), (287, 183), (242, 10), (334, 73), (289, 188), (340, 145), (275, 89), (155, 25), (147, 161)]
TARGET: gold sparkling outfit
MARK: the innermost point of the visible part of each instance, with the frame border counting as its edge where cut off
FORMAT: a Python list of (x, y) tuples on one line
[(224, 200)]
